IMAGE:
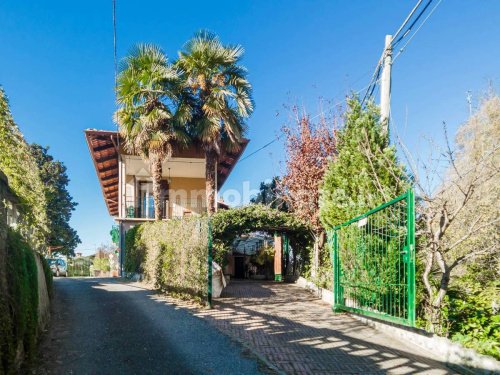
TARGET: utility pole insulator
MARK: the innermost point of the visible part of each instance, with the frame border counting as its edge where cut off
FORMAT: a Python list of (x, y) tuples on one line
[(385, 84)]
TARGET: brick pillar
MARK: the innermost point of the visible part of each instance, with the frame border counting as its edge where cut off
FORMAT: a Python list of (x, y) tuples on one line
[(278, 251)]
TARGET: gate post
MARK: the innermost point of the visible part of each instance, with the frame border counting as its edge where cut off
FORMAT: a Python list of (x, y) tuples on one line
[(278, 255), (410, 222), (209, 263), (336, 270)]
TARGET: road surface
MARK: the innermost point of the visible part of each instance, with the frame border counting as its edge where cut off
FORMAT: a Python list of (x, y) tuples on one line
[(104, 326)]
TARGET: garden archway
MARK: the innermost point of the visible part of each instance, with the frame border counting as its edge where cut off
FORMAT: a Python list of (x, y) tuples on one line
[(229, 224)]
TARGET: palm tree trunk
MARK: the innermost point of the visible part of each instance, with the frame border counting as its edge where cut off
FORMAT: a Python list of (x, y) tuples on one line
[(211, 163), (155, 162)]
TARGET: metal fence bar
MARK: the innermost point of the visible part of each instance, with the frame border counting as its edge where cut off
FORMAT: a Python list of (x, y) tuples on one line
[(373, 258), (209, 260), (411, 256)]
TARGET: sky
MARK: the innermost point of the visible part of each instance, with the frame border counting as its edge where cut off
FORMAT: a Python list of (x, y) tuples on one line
[(56, 66)]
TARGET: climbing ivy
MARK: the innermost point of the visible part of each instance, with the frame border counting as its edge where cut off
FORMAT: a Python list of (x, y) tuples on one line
[(18, 164), (227, 224), (19, 321)]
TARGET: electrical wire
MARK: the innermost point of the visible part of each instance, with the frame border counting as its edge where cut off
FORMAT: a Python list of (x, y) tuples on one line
[(408, 19), (401, 50), (378, 68), (261, 148), (114, 43), (115, 61), (371, 87), (311, 118)]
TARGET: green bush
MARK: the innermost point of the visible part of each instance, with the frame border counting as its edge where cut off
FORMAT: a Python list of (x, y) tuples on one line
[(227, 224), (79, 267), (101, 264), (474, 318), (22, 302), (172, 254), (49, 281), (135, 252)]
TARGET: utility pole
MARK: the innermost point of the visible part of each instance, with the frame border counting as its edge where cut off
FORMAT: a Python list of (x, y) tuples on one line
[(385, 84), (469, 100)]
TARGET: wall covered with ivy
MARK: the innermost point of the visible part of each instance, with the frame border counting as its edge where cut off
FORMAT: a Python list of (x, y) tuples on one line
[(18, 164)]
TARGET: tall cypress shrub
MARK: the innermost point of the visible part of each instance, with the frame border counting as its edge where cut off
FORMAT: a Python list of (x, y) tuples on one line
[(366, 171)]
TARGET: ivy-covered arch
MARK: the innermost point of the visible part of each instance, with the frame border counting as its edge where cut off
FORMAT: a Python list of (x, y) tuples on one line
[(227, 224)]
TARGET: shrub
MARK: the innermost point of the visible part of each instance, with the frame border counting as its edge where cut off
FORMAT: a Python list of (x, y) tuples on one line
[(135, 252), (474, 318), (48, 276), (21, 325), (19, 165), (172, 254), (366, 171), (227, 224), (101, 264)]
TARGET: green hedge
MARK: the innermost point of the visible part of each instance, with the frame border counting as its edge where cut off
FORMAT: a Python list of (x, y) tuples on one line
[(21, 321), (172, 254), (227, 224), (135, 252), (49, 281)]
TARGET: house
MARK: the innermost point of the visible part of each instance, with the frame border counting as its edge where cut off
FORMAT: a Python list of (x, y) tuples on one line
[(127, 185)]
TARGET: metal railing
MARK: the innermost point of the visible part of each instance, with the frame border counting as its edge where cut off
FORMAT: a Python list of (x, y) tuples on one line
[(175, 208), (374, 262)]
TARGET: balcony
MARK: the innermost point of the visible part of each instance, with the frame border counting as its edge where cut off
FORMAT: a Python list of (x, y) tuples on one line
[(170, 209)]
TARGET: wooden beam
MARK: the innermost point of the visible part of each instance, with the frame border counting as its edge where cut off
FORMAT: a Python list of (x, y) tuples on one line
[(110, 177), (109, 184), (108, 169), (106, 158), (104, 147)]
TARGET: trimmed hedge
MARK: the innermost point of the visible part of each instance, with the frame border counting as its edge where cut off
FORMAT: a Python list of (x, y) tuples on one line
[(172, 254), (20, 323), (49, 281)]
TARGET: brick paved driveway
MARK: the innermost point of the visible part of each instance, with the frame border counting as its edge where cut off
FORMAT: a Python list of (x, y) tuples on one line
[(299, 334)]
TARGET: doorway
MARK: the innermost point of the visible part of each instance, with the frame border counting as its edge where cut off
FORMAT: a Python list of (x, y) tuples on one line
[(239, 267)]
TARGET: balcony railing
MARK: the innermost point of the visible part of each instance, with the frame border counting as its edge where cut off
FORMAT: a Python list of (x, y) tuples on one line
[(175, 208)]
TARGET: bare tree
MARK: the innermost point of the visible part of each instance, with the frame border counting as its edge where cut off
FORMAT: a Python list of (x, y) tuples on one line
[(458, 188), (309, 149)]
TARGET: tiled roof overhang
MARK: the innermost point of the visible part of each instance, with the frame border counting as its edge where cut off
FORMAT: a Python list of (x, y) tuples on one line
[(103, 147)]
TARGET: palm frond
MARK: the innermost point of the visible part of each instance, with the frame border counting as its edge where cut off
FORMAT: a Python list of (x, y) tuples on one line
[(149, 91)]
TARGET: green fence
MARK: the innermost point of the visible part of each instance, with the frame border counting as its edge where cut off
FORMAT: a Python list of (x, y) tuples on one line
[(374, 262)]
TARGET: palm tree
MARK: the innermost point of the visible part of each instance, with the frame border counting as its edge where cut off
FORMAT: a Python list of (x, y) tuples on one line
[(223, 98), (152, 113)]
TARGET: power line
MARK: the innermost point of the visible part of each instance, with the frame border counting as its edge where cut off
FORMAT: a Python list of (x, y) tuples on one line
[(114, 42), (406, 21), (378, 68), (370, 88), (311, 118), (401, 50), (261, 148), (115, 60)]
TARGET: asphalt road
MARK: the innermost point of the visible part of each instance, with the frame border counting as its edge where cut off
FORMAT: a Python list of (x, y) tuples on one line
[(104, 326)]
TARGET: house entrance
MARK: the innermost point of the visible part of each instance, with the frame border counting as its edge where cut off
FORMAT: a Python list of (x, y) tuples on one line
[(239, 267)]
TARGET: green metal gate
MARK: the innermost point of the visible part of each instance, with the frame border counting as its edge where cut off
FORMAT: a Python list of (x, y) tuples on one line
[(374, 262)]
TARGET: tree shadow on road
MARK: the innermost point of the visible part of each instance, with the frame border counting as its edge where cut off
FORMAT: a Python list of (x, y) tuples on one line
[(301, 335)]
